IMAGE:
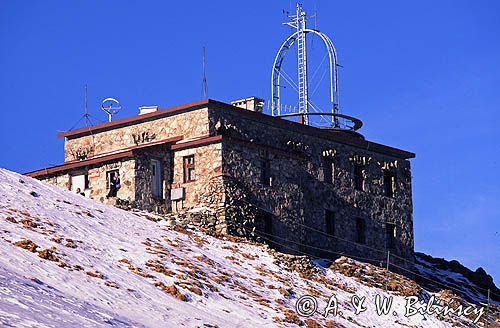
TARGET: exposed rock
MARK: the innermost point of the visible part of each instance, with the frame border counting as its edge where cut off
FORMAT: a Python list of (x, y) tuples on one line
[(479, 277), (372, 275), (301, 264)]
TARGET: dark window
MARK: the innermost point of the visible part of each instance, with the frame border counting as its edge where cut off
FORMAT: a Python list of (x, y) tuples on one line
[(265, 171), (360, 231), (330, 222), (264, 227), (188, 168), (268, 223), (110, 174), (390, 235), (328, 170), (389, 183), (358, 176)]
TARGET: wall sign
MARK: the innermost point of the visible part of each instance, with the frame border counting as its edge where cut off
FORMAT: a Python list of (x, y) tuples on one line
[(95, 173), (142, 137), (177, 194)]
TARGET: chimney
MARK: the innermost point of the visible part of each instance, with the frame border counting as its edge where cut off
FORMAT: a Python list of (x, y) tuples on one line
[(253, 104), (147, 109)]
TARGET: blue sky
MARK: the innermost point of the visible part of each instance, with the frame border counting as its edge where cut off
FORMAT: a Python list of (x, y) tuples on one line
[(422, 75)]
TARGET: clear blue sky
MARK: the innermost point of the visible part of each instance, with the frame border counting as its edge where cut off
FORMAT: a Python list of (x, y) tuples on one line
[(422, 75)]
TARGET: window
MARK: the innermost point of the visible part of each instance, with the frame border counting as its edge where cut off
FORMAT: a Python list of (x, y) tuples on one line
[(390, 235), (328, 170), (265, 171), (188, 164), (79, 181), (358, 177), (330, 222), (360, 231), (389, 183), (109, 175)]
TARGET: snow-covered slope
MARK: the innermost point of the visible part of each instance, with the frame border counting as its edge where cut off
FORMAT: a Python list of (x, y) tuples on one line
[(68, 261)]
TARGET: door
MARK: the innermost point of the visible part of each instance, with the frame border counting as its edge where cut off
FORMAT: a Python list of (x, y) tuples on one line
[(156, 185)]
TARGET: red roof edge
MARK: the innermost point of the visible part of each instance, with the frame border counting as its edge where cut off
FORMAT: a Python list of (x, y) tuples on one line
[(203, 141), (135, 119), (121, 153)]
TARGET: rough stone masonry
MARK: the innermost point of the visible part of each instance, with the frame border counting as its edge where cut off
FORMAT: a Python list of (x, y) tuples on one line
[(301, 189)]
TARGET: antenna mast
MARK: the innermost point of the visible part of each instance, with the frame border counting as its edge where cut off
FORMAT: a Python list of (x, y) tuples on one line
[(299, 23), (205, 92), (86, 108)]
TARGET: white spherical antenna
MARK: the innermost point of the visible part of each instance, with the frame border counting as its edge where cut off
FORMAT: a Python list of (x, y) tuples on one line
[(111, 106)]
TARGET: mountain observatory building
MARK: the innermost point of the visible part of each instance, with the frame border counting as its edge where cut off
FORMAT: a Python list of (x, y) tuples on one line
[(280, 178)]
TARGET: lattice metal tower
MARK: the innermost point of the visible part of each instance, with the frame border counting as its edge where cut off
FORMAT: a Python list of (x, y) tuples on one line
[(306, 108)]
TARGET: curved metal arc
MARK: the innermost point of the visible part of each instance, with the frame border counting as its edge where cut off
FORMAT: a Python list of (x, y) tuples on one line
[(275, 76)]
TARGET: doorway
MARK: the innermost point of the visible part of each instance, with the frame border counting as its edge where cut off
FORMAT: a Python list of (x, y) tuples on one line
[(156, 181)]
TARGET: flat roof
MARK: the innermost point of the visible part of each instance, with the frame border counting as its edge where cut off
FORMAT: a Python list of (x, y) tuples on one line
[(135, 119), (334, 135)]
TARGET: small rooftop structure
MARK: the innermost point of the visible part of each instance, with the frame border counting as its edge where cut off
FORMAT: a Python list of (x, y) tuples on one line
[(148, 109), (251, 103)]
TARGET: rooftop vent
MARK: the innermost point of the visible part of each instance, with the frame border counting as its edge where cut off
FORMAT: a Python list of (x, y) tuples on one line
[(147, 109), (253, 104)]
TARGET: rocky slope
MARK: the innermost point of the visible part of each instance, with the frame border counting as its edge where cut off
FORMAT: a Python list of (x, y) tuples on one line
[(68, 261)]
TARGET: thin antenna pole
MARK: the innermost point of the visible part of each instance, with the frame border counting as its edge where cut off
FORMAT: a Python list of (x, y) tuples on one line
[(86, 107), (488, 308), (387, 270), (205, 92)]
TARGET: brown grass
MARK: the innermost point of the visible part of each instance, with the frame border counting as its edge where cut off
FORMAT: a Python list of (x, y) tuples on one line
[(48, 254), (95, 274), (232, 248), (77, 267), (27, 244), (111, 284), (292, 317), (158, 267), (70, 243), (56, 239), (11, 219), (248, 256), (138, 271), (29, 223), (172, 290), (310, 323)]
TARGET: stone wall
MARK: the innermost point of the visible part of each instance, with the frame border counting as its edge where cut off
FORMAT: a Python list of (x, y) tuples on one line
[(208, 165), (143, 193), (62, 181), (189, 124), (98, 181), (98, 187), (298, 195)]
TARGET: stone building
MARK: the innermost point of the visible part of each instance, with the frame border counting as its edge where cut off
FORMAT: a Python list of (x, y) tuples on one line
[(233, 169)]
